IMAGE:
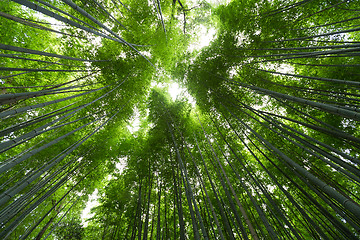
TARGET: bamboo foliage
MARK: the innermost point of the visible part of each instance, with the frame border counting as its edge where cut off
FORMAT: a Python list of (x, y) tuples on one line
[(270, 149)]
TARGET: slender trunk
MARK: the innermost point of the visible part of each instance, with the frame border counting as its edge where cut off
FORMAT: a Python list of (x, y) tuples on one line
[(18, 140), (26, 95), (319, 54), (140, 221), (158, 228), (322, 106), (30, 51), (146, 227), (322, 10), (314, 78), (35, 120), (354, 160), (259, 184), (349, 204), (317, 35), (65, 13), (8, 194), (10, 228), (38, 60), (153, 222), (219, 166), (179, 206), (11, 164), (62, 218), (34, 25), (161, 16), (7, 145), (20, 203), (43, 230), (40, 70), (208, 198), (201, 181), (324, 25), (124, 6), (220, 205), (108, 14), (44, 104), (64, 20), (285, 8), (301, 48), (338, 161), (85, 14), (187, 186), (137, 217)]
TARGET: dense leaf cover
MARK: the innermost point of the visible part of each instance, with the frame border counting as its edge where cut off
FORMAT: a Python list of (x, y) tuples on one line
[(268, 147)]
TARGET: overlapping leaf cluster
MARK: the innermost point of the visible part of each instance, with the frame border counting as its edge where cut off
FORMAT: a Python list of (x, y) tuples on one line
[(271, 150)]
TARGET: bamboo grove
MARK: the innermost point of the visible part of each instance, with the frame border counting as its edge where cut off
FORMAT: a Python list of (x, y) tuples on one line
[(269, 150)]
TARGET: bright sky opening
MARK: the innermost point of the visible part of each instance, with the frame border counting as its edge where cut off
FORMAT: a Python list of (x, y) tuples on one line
[(206, 35), (174, 90), (134, 124), (92, 202)]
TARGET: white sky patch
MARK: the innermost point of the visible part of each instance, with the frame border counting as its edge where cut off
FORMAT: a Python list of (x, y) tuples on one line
[(263, 105), (92, 202), (240, 38), (218, 2), (190, 99), (233, 71), (282, 68), (157, 84), (174, 90), (286, 68), (120, 166), (59, 26), (205, 37), (146, 53), (55, 24), (134, 124), (96, 41)]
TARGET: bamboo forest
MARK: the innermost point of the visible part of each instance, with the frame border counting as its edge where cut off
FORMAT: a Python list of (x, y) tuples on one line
[(180, 119)]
